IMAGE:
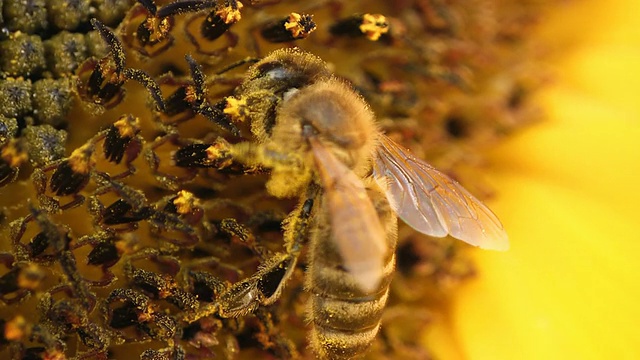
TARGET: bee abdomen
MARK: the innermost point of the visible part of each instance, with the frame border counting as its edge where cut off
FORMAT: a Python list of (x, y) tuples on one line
[(347, 314), (344, 320), (334, 344)]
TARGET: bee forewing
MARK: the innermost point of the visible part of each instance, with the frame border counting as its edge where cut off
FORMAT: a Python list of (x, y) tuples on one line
[(355, 226), (433, 203)]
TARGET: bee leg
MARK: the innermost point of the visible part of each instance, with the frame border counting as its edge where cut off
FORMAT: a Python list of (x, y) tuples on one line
[(297, 225), (211, 262), (265, 286), (260, 156)]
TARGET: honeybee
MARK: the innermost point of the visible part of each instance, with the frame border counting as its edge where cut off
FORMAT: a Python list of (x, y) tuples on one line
[(321, 141)]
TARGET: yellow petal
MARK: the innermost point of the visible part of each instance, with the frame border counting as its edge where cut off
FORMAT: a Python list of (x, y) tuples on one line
[(570, 286)]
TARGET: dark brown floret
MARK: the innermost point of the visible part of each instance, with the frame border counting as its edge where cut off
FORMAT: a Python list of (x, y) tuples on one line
[(163, 287), (213, 25), (184, 6), (205, 286), (60, 239), (38, 245), (104, 253), (21, 279), (178, 102), (217, 22), (120, 140), (121, 212), (203, 156), (101, 81), (138, 311), (154, 30), (73, 174), (136, 308)]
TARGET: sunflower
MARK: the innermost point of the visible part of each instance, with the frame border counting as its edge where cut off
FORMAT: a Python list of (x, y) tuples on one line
[(447, 79)]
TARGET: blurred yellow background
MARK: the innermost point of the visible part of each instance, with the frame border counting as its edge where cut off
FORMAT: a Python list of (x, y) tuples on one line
[(569, 188)]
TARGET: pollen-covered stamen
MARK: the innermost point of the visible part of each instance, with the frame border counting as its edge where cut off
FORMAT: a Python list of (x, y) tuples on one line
[(293, 27), (81, 160), (16, 329), (30, 277), (221, 19), (218, 154), (185, 202), (214, 155), (300, 26), (191, 95), (236, 108), (372, 26), (153, 30), (127, 126), (117, 51), (230, 13)]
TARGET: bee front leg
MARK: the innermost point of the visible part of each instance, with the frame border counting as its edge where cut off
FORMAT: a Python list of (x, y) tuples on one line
[(265, 286)]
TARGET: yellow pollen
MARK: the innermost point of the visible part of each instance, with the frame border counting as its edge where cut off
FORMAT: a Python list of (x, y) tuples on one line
[(374, 25)]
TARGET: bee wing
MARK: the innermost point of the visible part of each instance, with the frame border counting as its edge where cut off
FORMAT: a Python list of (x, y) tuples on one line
[(355, 225), (431, 202)]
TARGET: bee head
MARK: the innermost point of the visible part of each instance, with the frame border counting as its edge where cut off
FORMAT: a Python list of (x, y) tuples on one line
[(332, 113), (283, 70)]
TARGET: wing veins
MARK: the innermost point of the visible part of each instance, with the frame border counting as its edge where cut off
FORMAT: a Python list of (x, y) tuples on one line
[(431, 193)]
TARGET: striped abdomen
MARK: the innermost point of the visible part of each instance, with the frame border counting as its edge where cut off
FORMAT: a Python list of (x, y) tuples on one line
[(344, 319)]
